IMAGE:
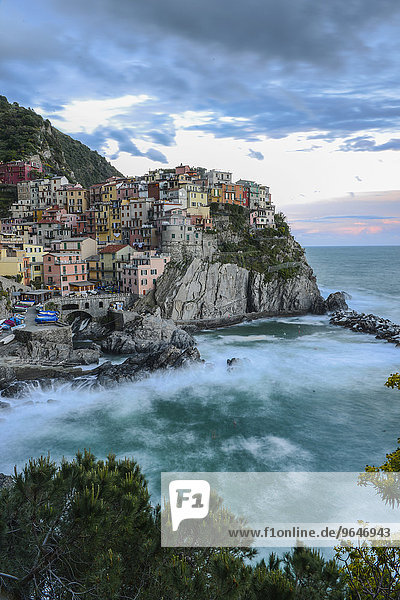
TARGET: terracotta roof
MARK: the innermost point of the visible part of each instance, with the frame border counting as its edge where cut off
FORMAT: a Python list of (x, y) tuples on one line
[(112, 248)]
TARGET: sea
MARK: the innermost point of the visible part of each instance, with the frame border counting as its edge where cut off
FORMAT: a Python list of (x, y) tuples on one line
[(306, 396)]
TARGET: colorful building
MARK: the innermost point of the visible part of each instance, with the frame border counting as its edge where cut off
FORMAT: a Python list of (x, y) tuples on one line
[(33, 264), (84, 246), (141, 274), (60, 269), (262, 218), (19, 170), (13, 263), (108, 268)]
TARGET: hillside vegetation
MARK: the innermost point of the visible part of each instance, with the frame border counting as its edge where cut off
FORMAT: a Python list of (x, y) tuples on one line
[(23, 134), (255, 250)]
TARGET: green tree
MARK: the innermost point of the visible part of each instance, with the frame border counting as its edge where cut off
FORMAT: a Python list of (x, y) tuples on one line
[(312, 576), (86, 529), (374, 572), (85, 526), (281, 224)]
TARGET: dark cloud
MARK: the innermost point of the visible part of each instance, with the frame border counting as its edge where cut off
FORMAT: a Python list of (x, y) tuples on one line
[(304, 31), (275, 67), (123, 137), (368, 144), (256, 155)]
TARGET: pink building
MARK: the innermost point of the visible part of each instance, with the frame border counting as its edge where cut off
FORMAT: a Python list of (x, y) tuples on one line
[(141, 274), (18, 170), (182, 169), (262, 218), (54, 212), (63, 270), (202, 222)]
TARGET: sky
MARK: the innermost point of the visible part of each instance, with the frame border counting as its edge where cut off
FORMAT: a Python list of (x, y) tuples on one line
[(300, 95)]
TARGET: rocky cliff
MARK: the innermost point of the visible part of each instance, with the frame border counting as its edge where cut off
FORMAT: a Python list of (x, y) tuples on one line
[(251, 273), (212, 290)]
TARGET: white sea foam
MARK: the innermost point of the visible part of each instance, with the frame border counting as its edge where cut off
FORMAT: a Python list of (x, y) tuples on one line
[(307, 396)]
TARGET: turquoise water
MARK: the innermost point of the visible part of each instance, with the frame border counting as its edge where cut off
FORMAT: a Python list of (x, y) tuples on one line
[(371, 274), (309, 396)]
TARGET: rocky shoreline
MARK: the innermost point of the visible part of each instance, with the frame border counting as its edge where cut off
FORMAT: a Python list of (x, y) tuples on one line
[(382, 329), (149, 341), (45, 354)]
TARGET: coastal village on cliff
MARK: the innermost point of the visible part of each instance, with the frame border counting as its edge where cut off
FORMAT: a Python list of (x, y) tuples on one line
[(133, 266), (119, 234)]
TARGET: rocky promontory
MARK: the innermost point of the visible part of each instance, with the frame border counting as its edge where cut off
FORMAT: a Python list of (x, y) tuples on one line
[(249, 274), (48, 353)]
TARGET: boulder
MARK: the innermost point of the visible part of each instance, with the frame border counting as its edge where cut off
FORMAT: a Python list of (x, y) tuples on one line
[(140, 364), (84, 356), (147, 334), (336, 301), (7, 375)]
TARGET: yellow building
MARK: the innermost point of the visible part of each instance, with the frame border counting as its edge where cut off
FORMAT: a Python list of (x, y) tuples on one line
[(195, 196), (108, 214), (76, 199), (202, 211), (103, 221), (109, 192), (108, 221), (34, 263), (215, 194), (12, 263)]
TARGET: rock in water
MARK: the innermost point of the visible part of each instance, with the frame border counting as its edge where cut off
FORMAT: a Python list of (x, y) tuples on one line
[(383, 329), (336, 301), (138, 365), (233, 363), (147, 334)]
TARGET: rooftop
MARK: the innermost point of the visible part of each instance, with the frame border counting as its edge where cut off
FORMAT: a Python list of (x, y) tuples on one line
[(112, 248)]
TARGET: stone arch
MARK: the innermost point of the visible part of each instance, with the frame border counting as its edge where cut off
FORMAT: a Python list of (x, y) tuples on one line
[(72, 306)]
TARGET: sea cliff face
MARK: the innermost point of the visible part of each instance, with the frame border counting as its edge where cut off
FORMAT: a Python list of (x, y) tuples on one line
[(213, 290)]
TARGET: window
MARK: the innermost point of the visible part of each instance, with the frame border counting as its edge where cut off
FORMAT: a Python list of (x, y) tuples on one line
[(49, 268)]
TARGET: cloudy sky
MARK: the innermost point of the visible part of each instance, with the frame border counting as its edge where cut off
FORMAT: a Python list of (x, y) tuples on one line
[(301, 95)]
